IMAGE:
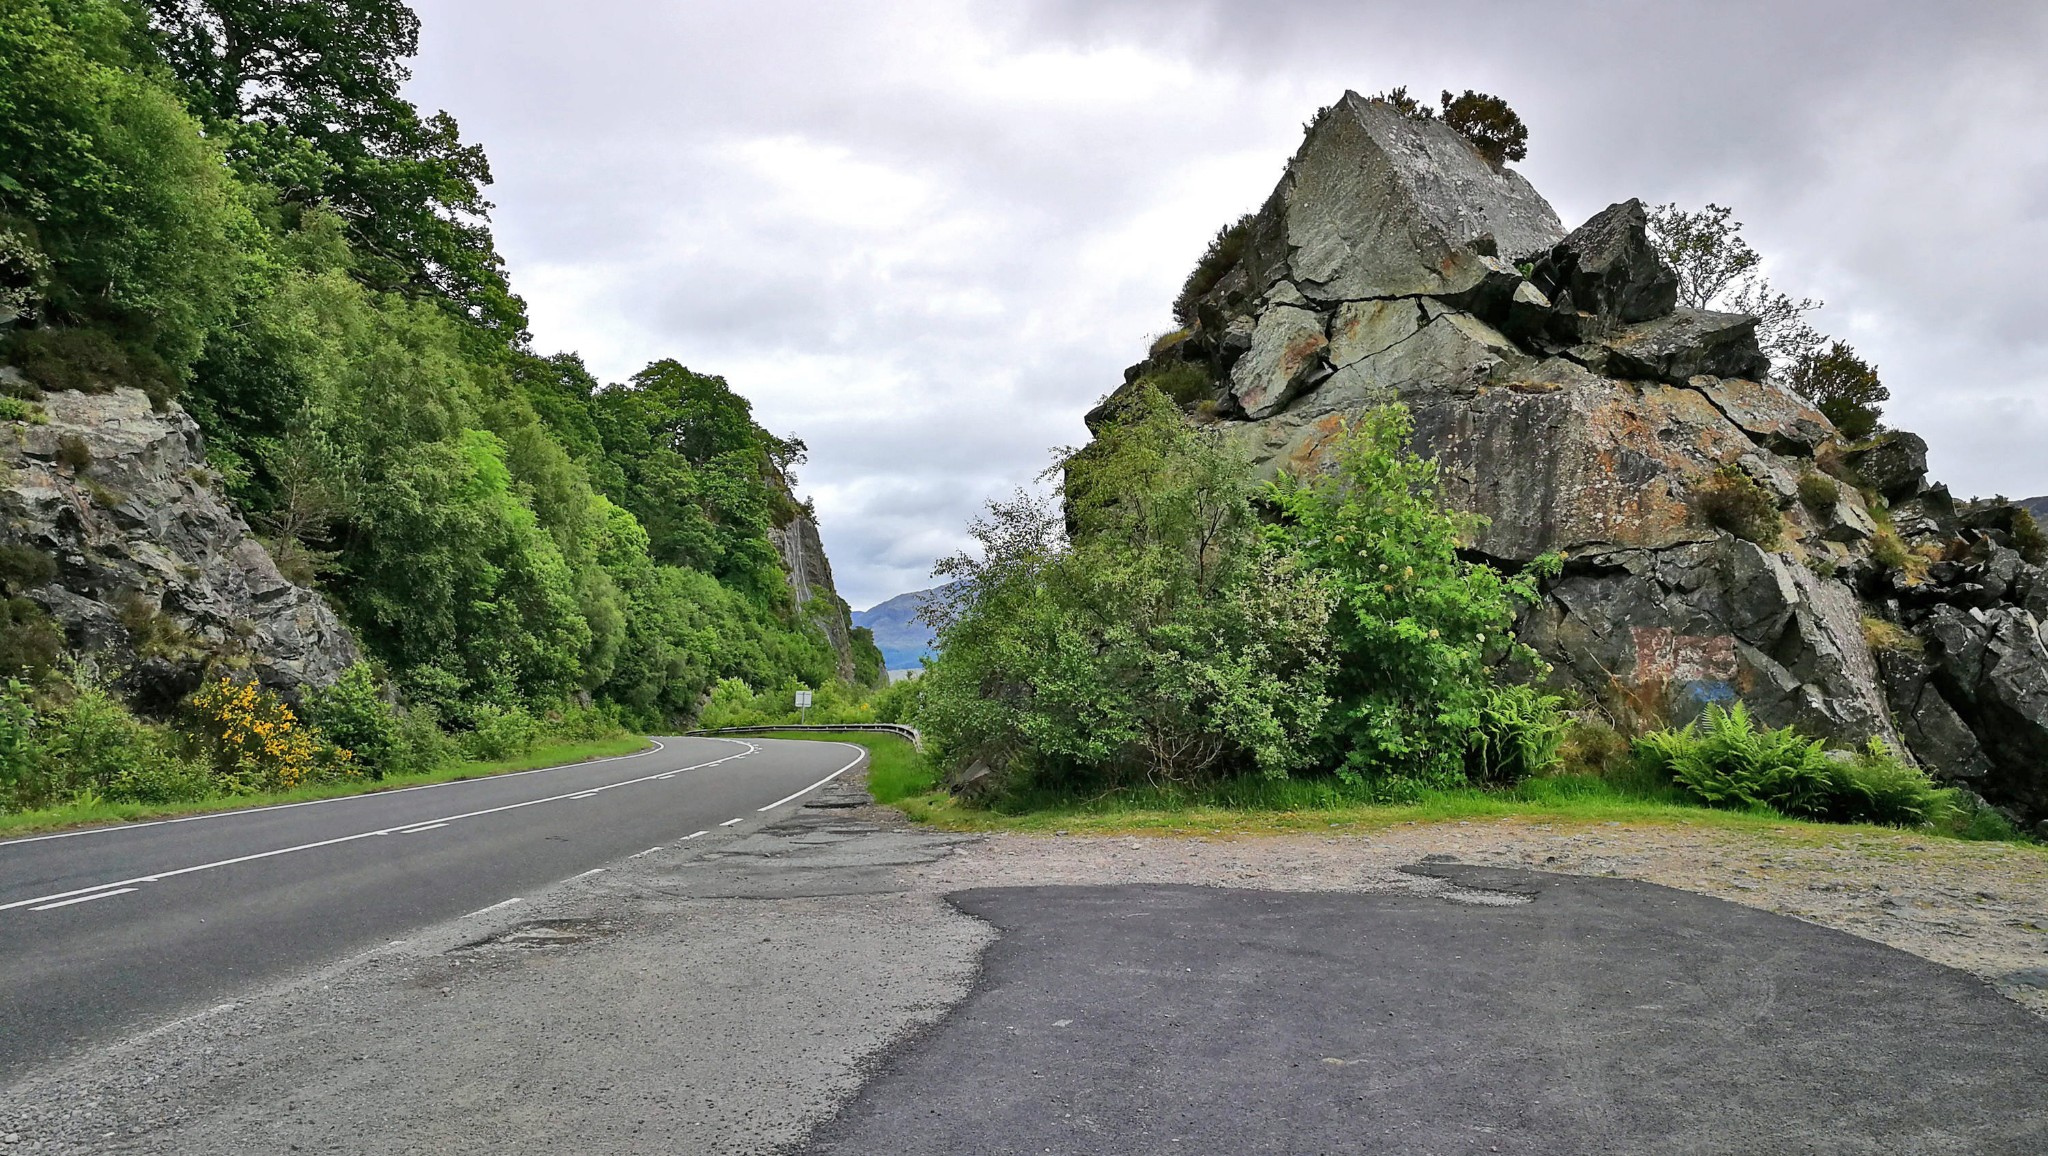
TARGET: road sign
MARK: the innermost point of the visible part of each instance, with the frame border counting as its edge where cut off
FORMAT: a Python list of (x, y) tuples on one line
[(803, 698), (803, 703)]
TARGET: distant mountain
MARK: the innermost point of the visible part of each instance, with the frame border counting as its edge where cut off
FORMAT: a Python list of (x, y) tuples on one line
[(2037, 507), (905, 642)]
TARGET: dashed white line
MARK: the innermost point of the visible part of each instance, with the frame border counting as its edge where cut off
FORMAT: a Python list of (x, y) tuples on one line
[(730, 822), (587, 874), (584, 795), (426, 827), (43, 899), (693, 835), (491, 908), (84, 899), (649, 851)]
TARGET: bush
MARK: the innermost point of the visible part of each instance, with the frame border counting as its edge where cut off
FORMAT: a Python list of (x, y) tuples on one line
[(501, 733), (86, 361), (1889, 551), (1591, 747), (1184, 382), (896, 703), (1419, 633), (15, 409), (23, 568), (1487, 121), (1874, 785), (256, 743), (1519, 735), (31, 642), (1882, 636), (2027, 536), (1844, 387), (1818, 492), (421, 745), (1732, 501), (356, 716), (73, 453), (89, 749), (1224, 251), (1727, 761)]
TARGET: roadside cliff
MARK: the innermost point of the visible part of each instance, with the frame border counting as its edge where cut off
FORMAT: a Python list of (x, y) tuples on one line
[(1720, 539)]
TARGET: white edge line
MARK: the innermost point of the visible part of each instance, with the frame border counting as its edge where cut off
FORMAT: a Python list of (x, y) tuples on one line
[(83, 899), (492, 907), (659, 747), (337, 840), (816, 785), (587, 874)]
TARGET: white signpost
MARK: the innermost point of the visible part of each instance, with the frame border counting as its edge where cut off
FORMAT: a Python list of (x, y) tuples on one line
[(803, 704)]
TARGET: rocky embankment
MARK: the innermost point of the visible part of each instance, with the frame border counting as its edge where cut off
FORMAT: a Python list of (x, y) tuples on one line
[(155, 574), (1575, 405)]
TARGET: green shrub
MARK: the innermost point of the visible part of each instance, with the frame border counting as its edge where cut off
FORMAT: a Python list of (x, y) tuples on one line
[(2027, 536), (73, 453), (356, 715), (15, 409), (1882, 636), (87, 361), (1818, 492), (31, 642), (1519, 735), (23, 568), (1223, 252), (1732, 501), (1725, 760), (1889, 550), (421, 745), (896, 703), (501, 733), (1184, 382), (1591, 747), (1876, 786)]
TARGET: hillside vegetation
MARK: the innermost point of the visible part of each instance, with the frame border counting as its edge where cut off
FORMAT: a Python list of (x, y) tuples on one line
[(233, 208)]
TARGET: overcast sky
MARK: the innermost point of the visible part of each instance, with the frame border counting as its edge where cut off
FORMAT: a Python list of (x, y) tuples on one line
[(925, 237)]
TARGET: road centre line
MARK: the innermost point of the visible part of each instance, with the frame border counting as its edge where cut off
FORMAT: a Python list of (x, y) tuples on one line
[(820, 782), (84, 899), (730, 822), (692, 835), (659, 747), (161, 875), (427, 827), (587, 874), (641, 854)]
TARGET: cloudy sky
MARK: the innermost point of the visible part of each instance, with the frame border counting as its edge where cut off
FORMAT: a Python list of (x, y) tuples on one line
[(927, 236)]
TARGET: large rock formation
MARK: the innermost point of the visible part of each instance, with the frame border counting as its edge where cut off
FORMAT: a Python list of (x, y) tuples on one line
[(810, 585), (156, 575), (1570, 401)]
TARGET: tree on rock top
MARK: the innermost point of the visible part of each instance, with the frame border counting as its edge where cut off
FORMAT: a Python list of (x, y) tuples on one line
[(1491, 126)]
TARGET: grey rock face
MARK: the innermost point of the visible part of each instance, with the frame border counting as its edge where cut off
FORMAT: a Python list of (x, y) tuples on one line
[(1679, 346), (810, 585), (1608, 266), (157, 574), (1896, 465)]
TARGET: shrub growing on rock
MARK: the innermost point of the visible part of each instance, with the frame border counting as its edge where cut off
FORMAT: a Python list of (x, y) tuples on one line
[(1224, 250), (1731, 500), (1844, 387), (1488, 122), (1818, 492)]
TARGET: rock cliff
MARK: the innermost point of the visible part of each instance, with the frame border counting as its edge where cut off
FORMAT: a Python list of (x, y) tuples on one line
[(156, 575), (810, 584), (1571, 402)]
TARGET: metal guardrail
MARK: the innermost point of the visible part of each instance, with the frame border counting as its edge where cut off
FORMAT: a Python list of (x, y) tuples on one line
[(901, 732)]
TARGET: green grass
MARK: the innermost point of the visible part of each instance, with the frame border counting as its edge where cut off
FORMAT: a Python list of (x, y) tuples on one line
[(548, 755), (901, 777)]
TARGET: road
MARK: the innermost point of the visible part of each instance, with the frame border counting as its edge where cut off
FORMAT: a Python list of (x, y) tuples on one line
[(113, 929)]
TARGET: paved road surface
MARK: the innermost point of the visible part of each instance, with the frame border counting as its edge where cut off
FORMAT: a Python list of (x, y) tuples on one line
[(109, 930), (1602, 1016)]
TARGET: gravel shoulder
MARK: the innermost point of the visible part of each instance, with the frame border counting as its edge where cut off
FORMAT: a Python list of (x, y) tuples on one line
[(728, 996)]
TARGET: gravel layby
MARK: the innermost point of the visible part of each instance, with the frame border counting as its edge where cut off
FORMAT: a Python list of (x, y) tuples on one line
[(1977, 907), (724, 999)]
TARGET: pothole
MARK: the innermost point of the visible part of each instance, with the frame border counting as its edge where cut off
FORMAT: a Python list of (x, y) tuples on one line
[(542, 934)]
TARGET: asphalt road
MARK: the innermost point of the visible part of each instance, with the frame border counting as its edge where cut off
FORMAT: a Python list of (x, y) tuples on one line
[(1600, 1016), (106, 931)]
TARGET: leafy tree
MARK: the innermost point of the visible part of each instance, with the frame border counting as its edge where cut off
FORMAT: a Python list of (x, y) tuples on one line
[(308, 92), (1491, 126), (1717, 269), (1417, 631), (1165, 644), (1844, 387)]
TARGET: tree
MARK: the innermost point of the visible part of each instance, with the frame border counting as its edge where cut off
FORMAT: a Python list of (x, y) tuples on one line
[(278, 76), (1491, 126), (1844, 386), (1717, 269)]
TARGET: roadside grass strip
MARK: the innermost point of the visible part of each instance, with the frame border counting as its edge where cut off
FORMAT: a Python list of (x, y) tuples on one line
[(66, 822), (901, 777)]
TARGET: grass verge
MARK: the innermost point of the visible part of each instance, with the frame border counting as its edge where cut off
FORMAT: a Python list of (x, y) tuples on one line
[(550, 755), (901, 777)]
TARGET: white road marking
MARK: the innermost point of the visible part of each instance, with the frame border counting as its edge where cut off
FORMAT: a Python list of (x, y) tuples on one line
[(693, 835), (161, 875), (649, 851), (584, 795), (84, 899), (587, 874), (428, 827), (730, 822), (491, 908), (657, 749), (820, 782)]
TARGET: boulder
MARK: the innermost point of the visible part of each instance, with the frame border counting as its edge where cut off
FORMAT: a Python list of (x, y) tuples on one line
[(1286, 357), (1607, 266), (1678, 347), (157, 575), (1378, 204), (1895, 465)]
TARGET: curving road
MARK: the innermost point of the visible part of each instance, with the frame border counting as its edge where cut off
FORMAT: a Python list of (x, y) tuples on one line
[(111, 929)]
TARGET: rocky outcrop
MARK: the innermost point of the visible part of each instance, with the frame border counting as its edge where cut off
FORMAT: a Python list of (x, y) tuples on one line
[(810, 585), (157, 577), (1573, 403)]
